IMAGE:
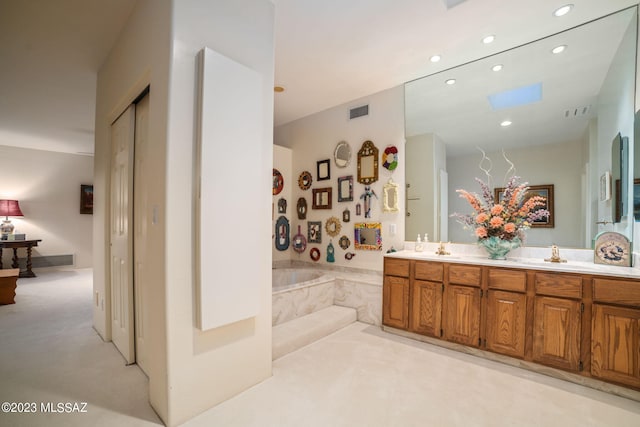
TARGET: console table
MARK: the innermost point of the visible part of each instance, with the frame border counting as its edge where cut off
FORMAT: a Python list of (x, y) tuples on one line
[(15, 245)]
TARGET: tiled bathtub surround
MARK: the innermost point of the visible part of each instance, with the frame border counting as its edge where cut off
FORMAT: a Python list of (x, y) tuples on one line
[(296, 302), (323, 287)]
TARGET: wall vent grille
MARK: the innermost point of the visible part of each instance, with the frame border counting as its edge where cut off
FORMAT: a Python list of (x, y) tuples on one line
[(359, 112), (577, 112)]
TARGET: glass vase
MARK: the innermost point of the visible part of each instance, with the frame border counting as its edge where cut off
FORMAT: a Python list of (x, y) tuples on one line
[(499, 248)]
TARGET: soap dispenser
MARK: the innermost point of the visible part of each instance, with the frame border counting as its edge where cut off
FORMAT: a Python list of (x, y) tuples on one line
[(426, 238), (419, 245)]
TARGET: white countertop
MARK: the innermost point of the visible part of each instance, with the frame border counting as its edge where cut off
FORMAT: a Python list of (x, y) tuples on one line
[(576, 262)]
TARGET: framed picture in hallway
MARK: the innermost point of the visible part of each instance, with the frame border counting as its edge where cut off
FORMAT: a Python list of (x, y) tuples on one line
[(86, 199)]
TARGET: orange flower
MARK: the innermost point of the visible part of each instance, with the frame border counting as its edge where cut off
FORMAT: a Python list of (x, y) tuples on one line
[(473, 200), (496, 222), (497, 209), (481, 232), (510, 227), (483, 217)]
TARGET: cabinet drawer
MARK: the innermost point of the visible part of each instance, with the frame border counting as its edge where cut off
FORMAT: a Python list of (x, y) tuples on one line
[(465, 275), (396, 267), (621, 292), (507, 280), (559, 285), (429, 271)]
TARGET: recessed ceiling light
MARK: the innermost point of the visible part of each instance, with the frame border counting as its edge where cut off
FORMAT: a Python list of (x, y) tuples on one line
[(497, 67), (488, 39), (563, 10), (559, 49), (278, 89), (505, 123), (435, 58), (450, 81)]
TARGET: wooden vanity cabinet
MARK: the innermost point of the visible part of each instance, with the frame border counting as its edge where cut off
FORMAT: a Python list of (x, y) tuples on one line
[(506, 312), (462, 304), (395, 290), (615, 337), (425, 308), (557, 332), (582, 323)]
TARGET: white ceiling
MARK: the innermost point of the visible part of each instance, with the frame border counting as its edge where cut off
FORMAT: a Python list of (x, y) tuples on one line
[(328, 52)]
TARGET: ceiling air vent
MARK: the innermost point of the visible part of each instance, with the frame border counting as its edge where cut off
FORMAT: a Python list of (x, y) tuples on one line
[(359, 112), (577, 112)]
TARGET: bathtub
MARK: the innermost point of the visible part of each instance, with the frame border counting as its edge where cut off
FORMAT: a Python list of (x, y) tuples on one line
[(303, 290), (291, 278), (300, 291)]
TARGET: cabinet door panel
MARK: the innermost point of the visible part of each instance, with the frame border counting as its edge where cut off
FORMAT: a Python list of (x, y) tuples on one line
[(395, 305), (506, 313), (556, 340), (463, 315), (426, 308), (615, 342)]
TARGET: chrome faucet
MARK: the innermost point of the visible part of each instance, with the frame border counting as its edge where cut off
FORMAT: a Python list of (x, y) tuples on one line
[(441, 250)]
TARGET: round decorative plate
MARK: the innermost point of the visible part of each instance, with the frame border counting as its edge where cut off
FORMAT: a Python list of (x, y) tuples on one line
[(278, 181), (344, 242), (305, 180), (612, 248), (314, 253), (390, 158)]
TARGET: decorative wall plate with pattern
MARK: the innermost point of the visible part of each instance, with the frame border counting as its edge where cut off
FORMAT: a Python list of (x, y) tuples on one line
[(305, 180), (278, 181)]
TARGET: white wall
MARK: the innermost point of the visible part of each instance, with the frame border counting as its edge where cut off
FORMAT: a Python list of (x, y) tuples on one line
[(189, 370), (282, 160), (315, 137), (534, 164), (206, 368), (47, 185)]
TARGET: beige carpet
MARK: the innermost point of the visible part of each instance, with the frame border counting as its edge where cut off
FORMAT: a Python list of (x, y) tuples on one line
[(358, 376), (50, 354)]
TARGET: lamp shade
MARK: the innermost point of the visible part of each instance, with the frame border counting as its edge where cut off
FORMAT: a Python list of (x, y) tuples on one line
[(10, 208)]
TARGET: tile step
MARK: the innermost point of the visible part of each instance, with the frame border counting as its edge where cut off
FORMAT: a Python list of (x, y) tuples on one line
[(302, 331)]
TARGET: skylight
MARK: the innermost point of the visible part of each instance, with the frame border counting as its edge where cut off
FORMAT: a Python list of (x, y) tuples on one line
[(520, 96)]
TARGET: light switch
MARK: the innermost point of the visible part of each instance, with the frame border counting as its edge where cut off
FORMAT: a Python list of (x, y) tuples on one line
[(392, 229)]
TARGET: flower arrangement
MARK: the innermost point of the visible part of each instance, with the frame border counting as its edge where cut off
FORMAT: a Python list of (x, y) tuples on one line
[(504, 219)]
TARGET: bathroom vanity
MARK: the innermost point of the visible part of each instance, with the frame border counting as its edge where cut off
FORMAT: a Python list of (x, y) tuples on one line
[(575, 317)]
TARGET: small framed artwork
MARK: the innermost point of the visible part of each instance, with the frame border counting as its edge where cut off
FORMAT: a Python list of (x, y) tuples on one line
[(323, 170), (545, 191), (345, 188), (321, 198), (314, 232), (605, 186), (86, 199), (282, 206)]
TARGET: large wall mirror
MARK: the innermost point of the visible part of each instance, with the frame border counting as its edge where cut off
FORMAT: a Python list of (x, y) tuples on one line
[(564, 109)]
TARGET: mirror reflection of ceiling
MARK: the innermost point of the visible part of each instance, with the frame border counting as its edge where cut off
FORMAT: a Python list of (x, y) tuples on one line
[(462, 116)]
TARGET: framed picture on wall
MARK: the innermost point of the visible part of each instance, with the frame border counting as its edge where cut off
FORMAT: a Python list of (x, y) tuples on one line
[(545, 191), (86, 199)]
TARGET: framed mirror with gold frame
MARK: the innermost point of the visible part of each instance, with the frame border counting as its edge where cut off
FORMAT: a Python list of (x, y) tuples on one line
[(368, 163)]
